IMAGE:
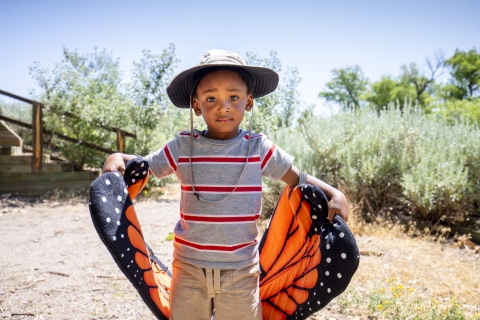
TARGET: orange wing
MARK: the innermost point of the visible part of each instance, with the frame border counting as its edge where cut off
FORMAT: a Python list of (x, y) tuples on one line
[(295, 282), (116, 222)]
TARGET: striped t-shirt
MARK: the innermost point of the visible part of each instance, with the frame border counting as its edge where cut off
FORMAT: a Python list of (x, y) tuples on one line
[(219, 235)]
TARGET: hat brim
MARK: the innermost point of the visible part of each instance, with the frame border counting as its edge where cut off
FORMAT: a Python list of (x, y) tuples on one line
[(262, 81)]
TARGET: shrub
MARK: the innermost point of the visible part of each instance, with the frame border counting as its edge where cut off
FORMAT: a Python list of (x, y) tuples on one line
[(400, 159)]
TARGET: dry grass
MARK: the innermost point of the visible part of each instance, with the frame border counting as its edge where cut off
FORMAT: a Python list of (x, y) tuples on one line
[(431, 269)]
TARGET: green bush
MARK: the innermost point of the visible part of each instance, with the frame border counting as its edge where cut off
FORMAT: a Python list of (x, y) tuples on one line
[(459, 110), (398, 160), (84, 94)]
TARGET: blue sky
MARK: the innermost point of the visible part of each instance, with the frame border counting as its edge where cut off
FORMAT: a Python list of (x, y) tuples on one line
[(314, 36)]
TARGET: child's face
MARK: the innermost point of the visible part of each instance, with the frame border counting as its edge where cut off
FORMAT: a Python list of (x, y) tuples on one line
[(222, 99)]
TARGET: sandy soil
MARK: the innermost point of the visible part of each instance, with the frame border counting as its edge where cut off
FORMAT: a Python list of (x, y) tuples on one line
[(54, 266)]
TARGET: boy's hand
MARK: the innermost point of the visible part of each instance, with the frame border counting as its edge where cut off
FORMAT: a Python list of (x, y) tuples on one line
[(338, 206), (337, 200), (115, 162)]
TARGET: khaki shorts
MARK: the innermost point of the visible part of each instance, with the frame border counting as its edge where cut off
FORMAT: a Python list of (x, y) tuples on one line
[(196, 292)]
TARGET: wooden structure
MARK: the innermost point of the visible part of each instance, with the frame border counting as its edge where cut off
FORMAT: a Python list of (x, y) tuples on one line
[(34, 173), (8, 139)]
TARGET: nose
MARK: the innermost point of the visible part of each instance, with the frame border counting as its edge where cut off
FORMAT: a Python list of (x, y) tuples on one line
[(224, 105)]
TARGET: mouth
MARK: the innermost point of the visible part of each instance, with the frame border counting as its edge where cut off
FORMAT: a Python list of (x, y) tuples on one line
[(224, 120)]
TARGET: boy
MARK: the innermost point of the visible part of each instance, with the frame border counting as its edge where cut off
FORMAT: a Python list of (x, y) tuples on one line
[(220, 172)]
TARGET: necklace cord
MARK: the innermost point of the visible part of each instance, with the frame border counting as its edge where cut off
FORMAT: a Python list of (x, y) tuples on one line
[(191, 152)]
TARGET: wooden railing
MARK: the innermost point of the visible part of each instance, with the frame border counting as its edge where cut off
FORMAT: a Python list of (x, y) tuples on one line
[(38, 131)]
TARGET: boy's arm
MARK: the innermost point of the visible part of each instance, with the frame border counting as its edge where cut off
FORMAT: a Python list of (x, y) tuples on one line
[(337, 200), (116, 162)]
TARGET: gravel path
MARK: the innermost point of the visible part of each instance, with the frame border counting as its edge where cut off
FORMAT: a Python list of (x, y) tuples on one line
[(54, 265)]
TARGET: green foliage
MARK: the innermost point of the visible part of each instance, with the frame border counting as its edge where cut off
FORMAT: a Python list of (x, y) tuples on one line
[(16, 110), (388, 90), (19, 111), (465, 71), (420, 82), (461, 110), (346, 87), (401, 159), (280, 108), (84, 95), (350, 89), (88, 87), (150, 77)]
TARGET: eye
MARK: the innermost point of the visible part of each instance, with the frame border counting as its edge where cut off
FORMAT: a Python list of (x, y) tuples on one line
[(211, 99), (234, 98)]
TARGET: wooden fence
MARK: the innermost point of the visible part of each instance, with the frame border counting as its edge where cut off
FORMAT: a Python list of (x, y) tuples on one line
[(38, 131)]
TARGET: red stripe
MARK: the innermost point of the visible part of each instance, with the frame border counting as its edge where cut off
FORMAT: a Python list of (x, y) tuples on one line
[(223, 188), (219, 159), (253, 136), (219, 219), (268, 156), (213, 247), (169, 158), (187, 134)]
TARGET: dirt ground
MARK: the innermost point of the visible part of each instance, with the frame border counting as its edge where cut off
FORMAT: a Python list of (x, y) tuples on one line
[(54, 266)]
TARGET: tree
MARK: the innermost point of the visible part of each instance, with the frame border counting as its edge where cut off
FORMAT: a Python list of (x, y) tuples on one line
[(280, 108), (88, 88), (289, 98), (422, 81), (150, 78), (465, 71), (346, 87), (387, 90), (461, 110)]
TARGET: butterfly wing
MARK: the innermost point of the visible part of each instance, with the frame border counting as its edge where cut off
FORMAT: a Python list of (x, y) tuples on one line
[(136, 176), (116, 222), (305, 260)]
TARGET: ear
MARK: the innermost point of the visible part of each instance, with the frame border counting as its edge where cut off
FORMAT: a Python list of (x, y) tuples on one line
[(249, 105), (196, 107)]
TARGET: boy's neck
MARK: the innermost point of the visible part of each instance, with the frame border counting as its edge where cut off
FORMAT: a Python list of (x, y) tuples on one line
[(221, 135)]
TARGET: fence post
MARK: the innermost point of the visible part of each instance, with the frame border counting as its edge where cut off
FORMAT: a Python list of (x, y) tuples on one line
[(121, 140), (37, 131)]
